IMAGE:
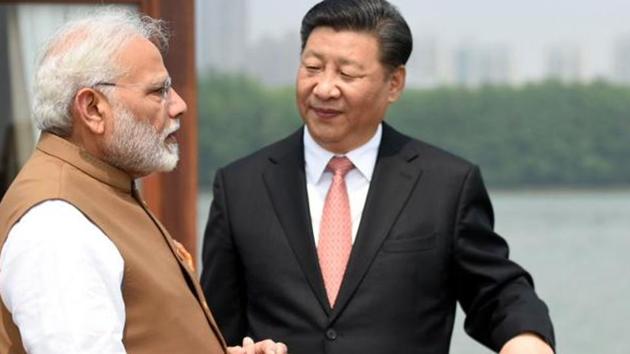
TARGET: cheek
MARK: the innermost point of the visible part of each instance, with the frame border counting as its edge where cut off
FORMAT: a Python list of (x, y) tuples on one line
[(304, 85), (163, 122), (367, 97), (157, 118), (302, 94)]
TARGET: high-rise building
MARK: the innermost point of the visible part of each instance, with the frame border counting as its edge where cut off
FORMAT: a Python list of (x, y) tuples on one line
[(564, 63), (222, 29), (277, 59), (482, 64), (425, 66), (496, 65), (621, 60)]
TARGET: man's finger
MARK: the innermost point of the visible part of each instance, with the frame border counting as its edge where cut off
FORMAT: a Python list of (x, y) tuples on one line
[(235, 350), (281, 348), (266, 346), (247, 341), (249, 346)]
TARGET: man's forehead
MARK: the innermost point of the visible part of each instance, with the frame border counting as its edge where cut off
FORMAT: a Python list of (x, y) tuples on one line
[(141, 59)]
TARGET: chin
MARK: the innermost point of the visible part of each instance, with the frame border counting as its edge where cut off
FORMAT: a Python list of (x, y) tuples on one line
[(169, 163)]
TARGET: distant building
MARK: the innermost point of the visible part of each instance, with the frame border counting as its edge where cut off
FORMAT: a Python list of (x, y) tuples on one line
[(424, 68), (475, 65), (564, 63), (496, 65), (222, 29), (621, 60), (274, 61)]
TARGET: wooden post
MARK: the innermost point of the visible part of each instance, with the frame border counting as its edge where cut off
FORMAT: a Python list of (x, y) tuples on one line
[(173, 196)]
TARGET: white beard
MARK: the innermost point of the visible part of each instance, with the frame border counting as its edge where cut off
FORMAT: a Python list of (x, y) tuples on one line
[(136, 147)]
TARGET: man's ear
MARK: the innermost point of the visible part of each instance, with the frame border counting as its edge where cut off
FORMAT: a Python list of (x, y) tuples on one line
[(90, 107), (397, 83)]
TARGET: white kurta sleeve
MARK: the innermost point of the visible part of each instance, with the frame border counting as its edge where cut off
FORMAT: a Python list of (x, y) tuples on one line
[(61, 278)]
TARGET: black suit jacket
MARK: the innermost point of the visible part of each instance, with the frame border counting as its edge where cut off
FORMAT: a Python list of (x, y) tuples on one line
[(425, 241)]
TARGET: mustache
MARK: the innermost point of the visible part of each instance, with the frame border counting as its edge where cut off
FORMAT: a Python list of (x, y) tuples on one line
[(172, 128)]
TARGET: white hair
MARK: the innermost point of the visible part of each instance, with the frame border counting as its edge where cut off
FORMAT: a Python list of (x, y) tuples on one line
[(82, 54)]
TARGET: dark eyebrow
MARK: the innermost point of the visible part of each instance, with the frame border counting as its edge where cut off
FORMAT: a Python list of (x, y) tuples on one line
[(311, 53), (352, 63), (343, 62)]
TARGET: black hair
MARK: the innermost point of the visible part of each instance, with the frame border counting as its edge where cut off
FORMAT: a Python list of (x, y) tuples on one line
[(377, 17)]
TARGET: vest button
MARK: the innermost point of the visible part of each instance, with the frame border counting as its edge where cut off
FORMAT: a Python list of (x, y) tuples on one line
[(331, 334)]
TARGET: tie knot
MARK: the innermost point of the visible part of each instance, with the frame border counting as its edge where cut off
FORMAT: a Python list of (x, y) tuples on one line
[(340, 165)]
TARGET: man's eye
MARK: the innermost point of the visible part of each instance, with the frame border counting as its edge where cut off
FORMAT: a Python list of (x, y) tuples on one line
[(346, 75), (162, 91), (313, 68)]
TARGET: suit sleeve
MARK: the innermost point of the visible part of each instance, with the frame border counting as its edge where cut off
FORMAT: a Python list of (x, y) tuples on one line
[(497, 294), (222, 276)]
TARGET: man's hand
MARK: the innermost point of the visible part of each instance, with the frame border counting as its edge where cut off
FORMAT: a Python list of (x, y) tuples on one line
[(526, 343), (266, 346)]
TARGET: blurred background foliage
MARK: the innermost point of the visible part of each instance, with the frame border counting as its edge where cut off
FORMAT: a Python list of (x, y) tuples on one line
[(545, 134)]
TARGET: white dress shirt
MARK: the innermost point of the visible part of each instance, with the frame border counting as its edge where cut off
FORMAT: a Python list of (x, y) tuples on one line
[(318, 180), (61, 278)]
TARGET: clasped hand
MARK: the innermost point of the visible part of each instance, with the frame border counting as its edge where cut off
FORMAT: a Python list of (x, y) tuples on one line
[(266, 346)]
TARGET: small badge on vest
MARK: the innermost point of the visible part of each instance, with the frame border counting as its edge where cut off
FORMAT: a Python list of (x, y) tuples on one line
[(183, 255)]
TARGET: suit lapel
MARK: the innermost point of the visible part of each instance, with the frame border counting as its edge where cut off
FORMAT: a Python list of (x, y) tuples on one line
[(395, 175), (286, 184)]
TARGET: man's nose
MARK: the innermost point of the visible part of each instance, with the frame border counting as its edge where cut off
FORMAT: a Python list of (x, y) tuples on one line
[(177, 106), (326, 88)]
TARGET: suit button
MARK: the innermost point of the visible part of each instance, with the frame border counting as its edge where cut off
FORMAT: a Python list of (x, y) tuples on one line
[(331, 334)]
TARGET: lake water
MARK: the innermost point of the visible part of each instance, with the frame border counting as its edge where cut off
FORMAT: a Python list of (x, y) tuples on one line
[(576, 245)]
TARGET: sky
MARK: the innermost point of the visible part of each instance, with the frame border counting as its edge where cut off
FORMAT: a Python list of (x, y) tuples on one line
[(528, 28)]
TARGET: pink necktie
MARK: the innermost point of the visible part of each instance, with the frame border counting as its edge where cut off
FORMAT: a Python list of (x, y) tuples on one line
[(335, 231)]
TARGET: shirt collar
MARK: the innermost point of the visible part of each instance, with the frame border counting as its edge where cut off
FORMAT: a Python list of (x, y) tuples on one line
[(363, 158)]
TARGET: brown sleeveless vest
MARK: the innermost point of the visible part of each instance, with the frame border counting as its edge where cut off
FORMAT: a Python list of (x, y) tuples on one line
[(165, 308)]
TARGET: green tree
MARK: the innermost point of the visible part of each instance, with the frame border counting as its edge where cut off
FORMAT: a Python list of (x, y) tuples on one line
[(238, 116), (543, 134)]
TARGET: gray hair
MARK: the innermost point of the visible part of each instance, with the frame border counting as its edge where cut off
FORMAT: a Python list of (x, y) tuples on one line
[(81, 54)]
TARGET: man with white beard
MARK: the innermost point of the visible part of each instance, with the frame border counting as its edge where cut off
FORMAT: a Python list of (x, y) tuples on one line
[(84, 265)]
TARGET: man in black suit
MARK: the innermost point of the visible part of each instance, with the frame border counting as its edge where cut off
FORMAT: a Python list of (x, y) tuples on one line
[(411, 228)]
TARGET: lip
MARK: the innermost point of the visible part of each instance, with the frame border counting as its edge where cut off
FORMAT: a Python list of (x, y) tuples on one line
[(171, 138), (325, 113), (171, 130)]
